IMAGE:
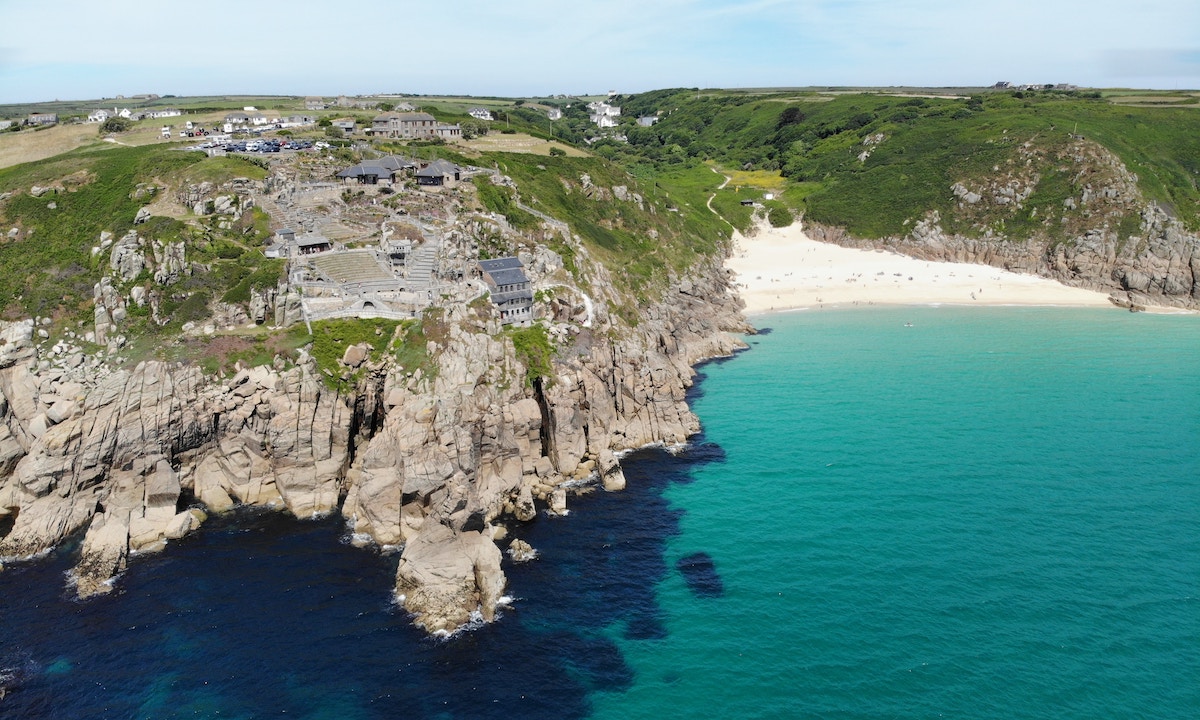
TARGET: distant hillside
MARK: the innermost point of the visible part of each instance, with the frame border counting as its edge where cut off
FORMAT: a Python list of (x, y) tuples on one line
[(874, 164)]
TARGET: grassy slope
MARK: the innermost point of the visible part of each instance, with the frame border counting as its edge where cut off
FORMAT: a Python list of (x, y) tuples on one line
[(931, 144), (50, 270), (618, 232)]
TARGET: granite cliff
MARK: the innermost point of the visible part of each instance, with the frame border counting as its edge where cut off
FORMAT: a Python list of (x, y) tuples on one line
[(1087, 241), (437, 464)]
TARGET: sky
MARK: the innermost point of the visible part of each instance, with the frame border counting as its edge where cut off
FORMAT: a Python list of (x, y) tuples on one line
[(76, 50)]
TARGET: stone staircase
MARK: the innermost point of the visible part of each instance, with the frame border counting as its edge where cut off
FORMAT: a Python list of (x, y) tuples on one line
[(422, 266)]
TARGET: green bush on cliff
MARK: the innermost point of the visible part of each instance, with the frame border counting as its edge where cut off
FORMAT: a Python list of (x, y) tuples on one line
[(534, 350), (330, 338)]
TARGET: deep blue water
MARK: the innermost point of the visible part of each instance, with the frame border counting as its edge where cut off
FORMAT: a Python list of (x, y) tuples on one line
[(994, 513)]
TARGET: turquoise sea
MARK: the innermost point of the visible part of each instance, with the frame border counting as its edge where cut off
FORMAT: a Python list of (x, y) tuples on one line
[(991, 513)]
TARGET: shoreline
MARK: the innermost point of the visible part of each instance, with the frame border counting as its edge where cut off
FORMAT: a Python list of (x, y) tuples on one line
[(782, 269)]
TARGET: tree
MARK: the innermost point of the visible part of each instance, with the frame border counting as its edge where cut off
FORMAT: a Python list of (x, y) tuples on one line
[(324, 122), (789, 116), (115, 125), (473, 128), (558, 152), (386, 107)]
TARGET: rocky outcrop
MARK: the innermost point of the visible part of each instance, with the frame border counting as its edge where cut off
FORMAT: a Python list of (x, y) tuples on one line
[(148, 440), (126, 260), (434, 462), (1089, 242), (1161, 267)]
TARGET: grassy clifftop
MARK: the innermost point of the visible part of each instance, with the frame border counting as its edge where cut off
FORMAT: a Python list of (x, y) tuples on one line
[(874, 163), (47, 266)]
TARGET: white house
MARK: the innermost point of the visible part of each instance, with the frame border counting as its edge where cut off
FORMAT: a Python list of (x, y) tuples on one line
[(125, 113), (480, 113), (554, 114), (165, 112), (98, 116), (603, 114)]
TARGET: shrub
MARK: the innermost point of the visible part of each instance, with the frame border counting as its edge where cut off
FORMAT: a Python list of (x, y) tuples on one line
[(779, 217), (115, 125), (534, 351)]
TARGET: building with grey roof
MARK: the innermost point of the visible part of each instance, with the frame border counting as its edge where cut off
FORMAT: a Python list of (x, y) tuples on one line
[(370, 172), (439, 172), (509, 288)]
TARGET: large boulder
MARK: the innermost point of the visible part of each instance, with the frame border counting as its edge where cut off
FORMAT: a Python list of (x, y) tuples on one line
[(444, 577)]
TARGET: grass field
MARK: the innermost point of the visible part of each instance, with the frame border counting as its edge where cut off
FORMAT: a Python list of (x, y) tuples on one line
[(769, 180), (519, 143), (32, 145)]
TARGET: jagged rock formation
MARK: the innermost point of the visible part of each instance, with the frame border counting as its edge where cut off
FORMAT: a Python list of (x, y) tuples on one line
[(433, 463), (1088, 243)]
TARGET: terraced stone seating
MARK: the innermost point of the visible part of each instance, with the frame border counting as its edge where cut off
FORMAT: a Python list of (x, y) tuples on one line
[(352, 267)]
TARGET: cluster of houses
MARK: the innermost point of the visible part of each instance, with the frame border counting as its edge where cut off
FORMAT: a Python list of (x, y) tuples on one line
[(102, 114), (251, 118), (603, 114), (313, 102), (1005, 85)]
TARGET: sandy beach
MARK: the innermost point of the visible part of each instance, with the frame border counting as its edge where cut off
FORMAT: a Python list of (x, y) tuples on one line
[(782, 269)]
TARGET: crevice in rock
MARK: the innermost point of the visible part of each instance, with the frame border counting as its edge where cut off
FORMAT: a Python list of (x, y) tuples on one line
[(187, 499), (547, 438), (367, 415), (8, 521)]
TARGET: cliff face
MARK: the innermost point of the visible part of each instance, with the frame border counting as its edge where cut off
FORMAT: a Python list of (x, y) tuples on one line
[(134, 458), (1102, 235)]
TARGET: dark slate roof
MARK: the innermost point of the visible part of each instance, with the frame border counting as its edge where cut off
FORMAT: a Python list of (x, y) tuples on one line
[(378, 168), (394, 162), (439, 168), (515, 276), (504, 263), (310, 240), (359, 171)]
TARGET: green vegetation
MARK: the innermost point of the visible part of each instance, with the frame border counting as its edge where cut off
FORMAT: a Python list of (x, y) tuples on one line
[(266, 276), (50, 267), (330, 338), (779, 216), (916, 148), (411, 349), (115, 125), (642, 245), (534, 350), (499, 199)]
